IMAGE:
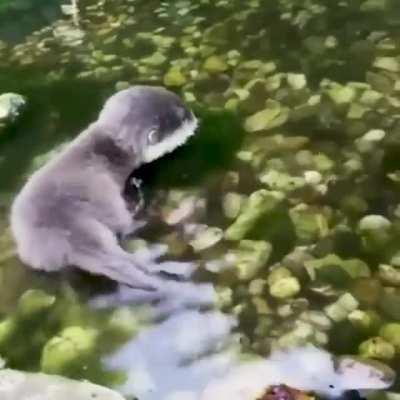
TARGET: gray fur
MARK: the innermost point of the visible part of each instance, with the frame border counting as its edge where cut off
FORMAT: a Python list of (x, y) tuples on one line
[(70, 210)]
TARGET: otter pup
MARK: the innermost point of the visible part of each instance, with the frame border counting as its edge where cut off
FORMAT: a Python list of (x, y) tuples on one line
[(71, 210)]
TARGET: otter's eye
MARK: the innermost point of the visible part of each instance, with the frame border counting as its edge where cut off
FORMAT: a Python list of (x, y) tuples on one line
[(152, 136)]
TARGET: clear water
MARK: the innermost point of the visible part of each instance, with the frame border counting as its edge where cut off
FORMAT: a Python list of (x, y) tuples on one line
[(331, 70)]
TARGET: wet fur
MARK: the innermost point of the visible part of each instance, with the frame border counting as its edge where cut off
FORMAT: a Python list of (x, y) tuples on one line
[(72, 209)]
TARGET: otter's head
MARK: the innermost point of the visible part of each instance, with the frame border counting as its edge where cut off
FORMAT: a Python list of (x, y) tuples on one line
[(147, 121)]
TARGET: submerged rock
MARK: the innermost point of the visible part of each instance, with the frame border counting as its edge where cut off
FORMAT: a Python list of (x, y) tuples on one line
[(391, 333), (232, 204), (249, 258), (377, 348), (259, 203), (11, 106), (310, 224), (285, 287), (334, 265), (215, 65), (34, 301), (206, 237), (341, 94), (340, 310), (391, 64), (70, 347), (276, 180), (271, 117), (28, 386), (174, 78)]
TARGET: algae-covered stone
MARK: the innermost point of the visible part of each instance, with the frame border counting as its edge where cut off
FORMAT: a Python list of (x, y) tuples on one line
[(378, 348), (215, 65), (277, 274), (274, 82), (224, 297), (390, 302), (302, 333), (34, 301), (368, 142), (322, 162), (281, 181), (182, 205), (206, 238), (261, 147), (273, 116), (380, 82), (365, 321), (340, 309), (341, 94), (317, 319), (257, 287), (389, 274), (374, 222), (11, 106), (313, 178), (297, 81), (174, 77), (391, 333), (375, 231), (309, 224), (391, 64), (250, 257), (155, 59), (355, 268), (374, 135), (69, 347), (232, 204), (122, 85), (371, 98), (8, 327), (261, 306), (285, 287), (373, 5), (368, 291), (259, 203), (357, 111)]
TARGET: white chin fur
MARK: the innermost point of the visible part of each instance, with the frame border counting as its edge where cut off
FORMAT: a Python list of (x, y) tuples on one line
[(176, 139)]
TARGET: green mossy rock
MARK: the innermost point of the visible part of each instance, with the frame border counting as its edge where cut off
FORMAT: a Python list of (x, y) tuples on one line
[(258, 204), (273, 116), (70, 347)]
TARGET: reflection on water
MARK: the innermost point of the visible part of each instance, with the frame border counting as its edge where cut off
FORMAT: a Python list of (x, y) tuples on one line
[(181, 354)]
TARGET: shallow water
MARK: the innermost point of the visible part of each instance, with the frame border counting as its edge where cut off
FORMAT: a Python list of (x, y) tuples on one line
[(300, 98)]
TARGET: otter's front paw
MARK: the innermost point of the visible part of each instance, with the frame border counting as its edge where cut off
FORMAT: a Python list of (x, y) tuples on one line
[(180, 269), (150, 253)]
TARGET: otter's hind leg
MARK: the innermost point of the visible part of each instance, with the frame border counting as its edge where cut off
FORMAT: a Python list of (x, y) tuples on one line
[(170, 297), (94, 248), (147, 257)]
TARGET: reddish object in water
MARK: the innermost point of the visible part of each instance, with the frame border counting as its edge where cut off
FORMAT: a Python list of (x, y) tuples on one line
[(283, 392)]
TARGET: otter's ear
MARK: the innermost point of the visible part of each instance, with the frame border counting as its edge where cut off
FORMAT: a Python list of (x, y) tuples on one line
[(355, 373)]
